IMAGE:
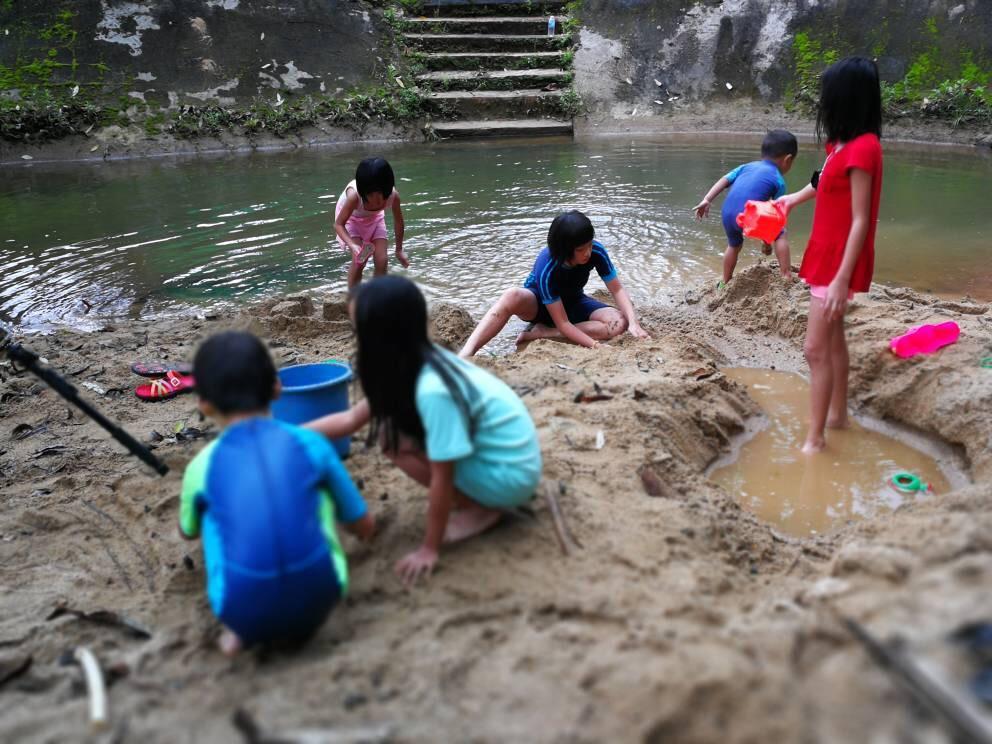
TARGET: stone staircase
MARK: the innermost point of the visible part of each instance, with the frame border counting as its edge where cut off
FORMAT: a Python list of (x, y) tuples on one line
[(490, 68)]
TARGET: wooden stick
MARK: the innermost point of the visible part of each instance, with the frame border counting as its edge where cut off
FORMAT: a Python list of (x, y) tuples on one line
[(956, 714), (561, 531), (95, 687)]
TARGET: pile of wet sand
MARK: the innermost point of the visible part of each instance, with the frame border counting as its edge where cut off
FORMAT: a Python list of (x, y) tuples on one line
[(674, 616)]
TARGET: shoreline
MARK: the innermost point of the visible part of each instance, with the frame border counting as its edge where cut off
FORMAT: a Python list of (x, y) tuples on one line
[(680, 610), (693, 124)]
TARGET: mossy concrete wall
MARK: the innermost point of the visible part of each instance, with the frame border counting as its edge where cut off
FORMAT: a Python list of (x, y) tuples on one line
[(168, 52), (650, 55)]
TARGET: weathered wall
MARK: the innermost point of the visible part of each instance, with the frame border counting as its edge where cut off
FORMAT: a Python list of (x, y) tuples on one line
[(167, 52), (691, 50)]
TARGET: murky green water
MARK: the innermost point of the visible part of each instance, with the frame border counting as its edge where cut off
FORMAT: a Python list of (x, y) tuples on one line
[(88, 241)]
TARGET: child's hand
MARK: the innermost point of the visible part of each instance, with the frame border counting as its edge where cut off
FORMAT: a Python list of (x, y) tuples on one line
[(402, 258), (419, 563), (702, 209), (636, 331), (835, 303)]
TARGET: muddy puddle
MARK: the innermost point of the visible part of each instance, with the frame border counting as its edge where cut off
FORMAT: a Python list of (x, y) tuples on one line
[(852, 479)]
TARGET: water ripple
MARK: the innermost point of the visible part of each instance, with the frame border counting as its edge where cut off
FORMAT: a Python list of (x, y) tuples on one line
[(196, 233)]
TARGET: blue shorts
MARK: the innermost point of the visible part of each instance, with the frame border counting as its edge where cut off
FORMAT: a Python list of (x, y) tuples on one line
[(577, 309), (735, 235), (290, 607)]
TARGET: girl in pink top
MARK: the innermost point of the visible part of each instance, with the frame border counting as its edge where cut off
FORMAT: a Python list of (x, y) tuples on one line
[(360, 218)]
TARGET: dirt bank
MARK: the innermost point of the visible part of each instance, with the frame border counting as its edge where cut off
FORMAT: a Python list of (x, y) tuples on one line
[(680, 617)]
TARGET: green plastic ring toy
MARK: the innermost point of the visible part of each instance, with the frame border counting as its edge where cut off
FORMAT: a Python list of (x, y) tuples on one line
[(908, 483), (986, 363)]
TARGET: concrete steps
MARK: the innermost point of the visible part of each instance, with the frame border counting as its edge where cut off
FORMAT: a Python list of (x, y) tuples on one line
[(493, 80), (508, 25), (497, 104), (439, 8), (483, 42), (489, 68), (492, 60), (504, 128)]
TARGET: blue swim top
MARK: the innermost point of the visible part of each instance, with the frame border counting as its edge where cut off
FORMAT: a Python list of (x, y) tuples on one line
[(554, 280), (760, 180), (267, 494)]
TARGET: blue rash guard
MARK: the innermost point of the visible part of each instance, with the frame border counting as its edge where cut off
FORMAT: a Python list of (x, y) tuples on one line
[(552, 281), (757, 181), (266, 495)]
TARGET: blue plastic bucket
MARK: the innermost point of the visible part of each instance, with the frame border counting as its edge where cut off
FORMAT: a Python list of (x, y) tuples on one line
[(310, 391)]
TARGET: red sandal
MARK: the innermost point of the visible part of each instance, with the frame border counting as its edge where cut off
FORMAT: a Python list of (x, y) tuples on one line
[(167, 387)]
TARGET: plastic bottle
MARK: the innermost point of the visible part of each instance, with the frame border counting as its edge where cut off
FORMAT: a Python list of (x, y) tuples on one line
[(551, 25)]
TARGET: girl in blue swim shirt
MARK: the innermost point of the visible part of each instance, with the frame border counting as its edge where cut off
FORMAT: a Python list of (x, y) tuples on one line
[(553, 300), (452, 427)]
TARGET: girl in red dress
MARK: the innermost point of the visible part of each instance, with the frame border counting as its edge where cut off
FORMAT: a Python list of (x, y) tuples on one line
[(840, 256)]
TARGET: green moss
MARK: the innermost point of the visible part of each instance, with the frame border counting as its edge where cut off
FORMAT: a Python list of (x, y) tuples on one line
[(954, 87)]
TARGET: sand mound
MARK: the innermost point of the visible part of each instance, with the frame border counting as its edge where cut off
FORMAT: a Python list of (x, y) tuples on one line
[(679, 617)]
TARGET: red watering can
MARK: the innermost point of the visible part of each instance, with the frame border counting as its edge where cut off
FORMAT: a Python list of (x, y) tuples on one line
[(763, 220)]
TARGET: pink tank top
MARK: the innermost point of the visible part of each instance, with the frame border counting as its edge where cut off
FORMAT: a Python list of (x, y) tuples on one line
[(360, 214)]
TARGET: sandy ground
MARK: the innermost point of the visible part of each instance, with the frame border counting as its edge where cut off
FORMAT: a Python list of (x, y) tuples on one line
[(675, 616)]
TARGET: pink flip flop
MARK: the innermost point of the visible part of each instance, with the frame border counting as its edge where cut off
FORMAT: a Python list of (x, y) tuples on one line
[(167, 387)]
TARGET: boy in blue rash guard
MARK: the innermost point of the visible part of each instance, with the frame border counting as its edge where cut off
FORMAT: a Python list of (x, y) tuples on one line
[(759, 180), (552, 299), (265, 496)]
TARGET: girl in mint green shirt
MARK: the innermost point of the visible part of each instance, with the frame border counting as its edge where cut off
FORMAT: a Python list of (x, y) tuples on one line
[(451, 426)]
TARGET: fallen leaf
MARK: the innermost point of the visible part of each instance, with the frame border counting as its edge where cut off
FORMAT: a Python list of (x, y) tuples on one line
[(26, 157)]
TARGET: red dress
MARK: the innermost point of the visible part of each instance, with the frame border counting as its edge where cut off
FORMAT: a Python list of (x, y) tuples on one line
[(832, 217)]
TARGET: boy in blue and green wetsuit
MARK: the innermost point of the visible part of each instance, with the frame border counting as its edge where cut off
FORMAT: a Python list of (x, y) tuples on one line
[(265, 496), (759, 180)]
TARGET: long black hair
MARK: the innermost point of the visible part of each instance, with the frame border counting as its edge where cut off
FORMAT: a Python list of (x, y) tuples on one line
[(393, 347), (850, 100)]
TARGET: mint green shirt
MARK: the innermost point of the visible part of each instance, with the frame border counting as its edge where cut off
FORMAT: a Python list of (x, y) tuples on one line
[(498, 464)]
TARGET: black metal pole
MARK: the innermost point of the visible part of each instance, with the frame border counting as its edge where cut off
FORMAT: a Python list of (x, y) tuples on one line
[(60, 385)]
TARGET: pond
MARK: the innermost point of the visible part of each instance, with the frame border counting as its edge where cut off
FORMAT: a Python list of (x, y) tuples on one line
[(86, 241), (862, 472)]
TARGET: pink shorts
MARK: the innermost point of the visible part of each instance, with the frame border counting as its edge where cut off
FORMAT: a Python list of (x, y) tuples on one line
[(364, 232), (819, 291)]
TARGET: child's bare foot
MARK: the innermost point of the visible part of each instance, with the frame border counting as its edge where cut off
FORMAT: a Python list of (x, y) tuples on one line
[(524, 339), (814, 446), (469, 521), (229, 643), (533, 332)]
